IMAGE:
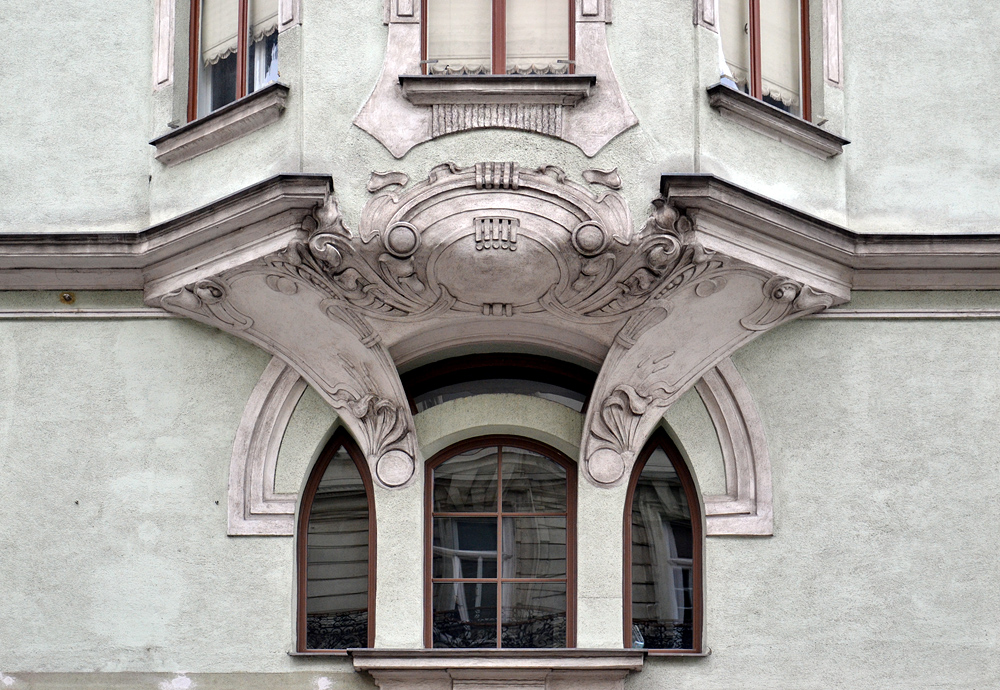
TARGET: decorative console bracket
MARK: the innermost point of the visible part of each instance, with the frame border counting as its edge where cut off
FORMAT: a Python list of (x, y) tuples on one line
[(493, 253)]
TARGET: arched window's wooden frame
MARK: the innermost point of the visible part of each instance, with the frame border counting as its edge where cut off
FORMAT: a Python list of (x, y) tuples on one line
[(498, 58), (516, 442), (340, 439), (660, 440)]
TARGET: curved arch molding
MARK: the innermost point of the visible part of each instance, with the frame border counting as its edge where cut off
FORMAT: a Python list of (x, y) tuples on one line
[(255, 508), (490, 254)]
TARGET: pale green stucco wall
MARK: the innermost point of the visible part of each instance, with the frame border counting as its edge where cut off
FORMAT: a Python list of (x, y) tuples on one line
[(75, 138)]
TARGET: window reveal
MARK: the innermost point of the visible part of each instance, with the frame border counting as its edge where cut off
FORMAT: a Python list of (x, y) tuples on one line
[(498, 36), (234, 51), (501, 563), (766, 49)]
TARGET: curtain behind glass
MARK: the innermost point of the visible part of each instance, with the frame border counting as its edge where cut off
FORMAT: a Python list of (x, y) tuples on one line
[(337, 559), (459, 36), (780, 58), (537, 36), (780, 48)]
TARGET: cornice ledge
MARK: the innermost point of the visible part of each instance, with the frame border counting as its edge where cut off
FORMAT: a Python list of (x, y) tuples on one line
[(554, 89), (116, 261), (733, 219), (226, 124), (541, 669), (775, 123)]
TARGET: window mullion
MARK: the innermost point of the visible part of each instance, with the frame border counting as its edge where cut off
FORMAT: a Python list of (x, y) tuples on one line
[(806, 97), (499, 37), (756, 84), (242, 48)]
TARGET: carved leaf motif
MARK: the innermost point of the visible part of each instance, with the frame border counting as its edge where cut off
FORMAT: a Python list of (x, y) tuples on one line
[(208, 298), (620, 414)]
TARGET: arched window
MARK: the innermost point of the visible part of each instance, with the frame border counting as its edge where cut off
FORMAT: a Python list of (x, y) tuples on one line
[(501, 533), (336, 551), (520, 374), (663, 552)]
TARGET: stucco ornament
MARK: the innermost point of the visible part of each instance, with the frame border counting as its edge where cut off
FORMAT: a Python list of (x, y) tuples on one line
[(493, 255)]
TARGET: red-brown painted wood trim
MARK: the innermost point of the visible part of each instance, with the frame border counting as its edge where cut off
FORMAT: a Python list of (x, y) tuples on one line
[(756, 84), (242, 48), (423, 36), (499, 37), (194, 41), (572, 36), (806, 63), (340, 439), (571, 480), (659, 439)]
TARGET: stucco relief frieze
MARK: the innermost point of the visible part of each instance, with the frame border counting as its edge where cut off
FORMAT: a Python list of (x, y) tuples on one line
[(500, 255)]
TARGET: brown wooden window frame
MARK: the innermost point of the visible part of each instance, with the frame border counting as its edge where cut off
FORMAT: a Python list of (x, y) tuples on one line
[(498, 43), (340, 439), (571, 478), (194, 48), (661, 440), (756, 79)]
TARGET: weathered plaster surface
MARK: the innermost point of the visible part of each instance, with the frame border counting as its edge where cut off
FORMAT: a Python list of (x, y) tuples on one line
[(308, 428), (884, 543)]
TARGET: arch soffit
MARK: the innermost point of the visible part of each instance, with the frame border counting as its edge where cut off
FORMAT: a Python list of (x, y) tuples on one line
[(256, 509), (502, 253)]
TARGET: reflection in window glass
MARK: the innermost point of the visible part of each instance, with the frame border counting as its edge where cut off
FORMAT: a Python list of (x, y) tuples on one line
[(337, 559), (520, 602), (662, 558)]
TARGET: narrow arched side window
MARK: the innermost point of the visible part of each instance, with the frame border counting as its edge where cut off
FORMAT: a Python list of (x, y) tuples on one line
[(501, 544), (663, 552), (336, 552)]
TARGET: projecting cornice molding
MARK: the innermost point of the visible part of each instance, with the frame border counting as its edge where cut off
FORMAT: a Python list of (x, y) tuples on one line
[(734, 220), (499, 255)]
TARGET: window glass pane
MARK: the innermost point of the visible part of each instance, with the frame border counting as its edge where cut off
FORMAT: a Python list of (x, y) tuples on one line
[(262, 61), (537, 389), (458, 36), (734, 29), (780, 53), (337, 559), (465, 614), (467, 482), (217, 66), (532, 483), (662, 552), (537, 36), (465, 547), (534, 547), (533, 614)]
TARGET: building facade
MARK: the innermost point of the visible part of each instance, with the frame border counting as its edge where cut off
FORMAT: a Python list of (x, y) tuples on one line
[(579, 343)]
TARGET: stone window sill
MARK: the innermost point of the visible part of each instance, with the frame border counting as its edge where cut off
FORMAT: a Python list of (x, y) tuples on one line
[(226, 124), (543, 89), (774, 122), (525, 669)]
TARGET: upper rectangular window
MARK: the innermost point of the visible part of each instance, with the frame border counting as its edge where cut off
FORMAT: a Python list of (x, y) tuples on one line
[(498, 36), (766, 48), (234, 51)]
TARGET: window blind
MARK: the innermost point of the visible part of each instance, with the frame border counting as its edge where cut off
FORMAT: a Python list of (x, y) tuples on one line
[(458, 36), (537, 36), (219, 26), (779, 46)]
